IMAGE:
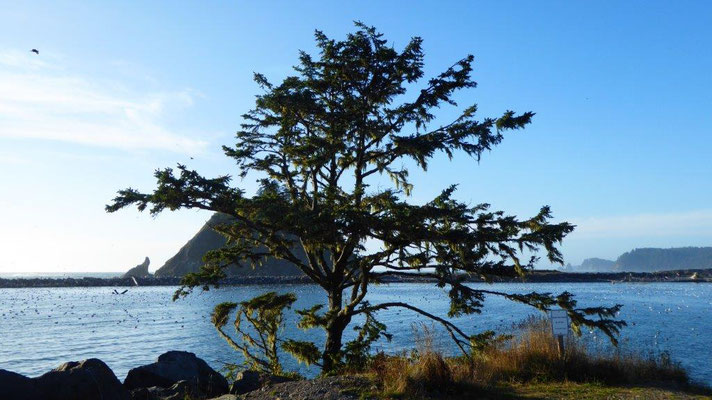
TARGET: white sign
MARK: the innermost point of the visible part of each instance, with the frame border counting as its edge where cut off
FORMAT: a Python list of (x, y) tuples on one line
[(559, 322)]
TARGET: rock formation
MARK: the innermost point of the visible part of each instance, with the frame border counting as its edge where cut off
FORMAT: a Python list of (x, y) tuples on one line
[(190, 257), (176, 366), (139, 271), (18, 387), (179, 391), (84, 380), (88, 379), (177, 375)]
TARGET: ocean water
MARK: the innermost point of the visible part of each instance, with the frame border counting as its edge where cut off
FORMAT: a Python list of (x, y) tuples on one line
[(40, 328)]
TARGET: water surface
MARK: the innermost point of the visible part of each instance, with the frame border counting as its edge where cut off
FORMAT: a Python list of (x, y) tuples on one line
[(41, 328)]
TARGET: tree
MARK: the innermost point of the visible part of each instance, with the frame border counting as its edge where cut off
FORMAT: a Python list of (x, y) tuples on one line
[(318, 141)]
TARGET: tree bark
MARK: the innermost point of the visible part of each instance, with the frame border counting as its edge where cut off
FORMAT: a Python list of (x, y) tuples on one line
[(334, 333)]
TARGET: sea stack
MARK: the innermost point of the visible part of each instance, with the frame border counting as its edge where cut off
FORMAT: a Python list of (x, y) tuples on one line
[(139, 271)]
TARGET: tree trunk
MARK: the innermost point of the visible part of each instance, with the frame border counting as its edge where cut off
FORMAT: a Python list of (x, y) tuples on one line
[(332, 347), (334, 332)]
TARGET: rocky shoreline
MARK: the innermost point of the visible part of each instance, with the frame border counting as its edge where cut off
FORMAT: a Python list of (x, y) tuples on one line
[(176, 375), (539, 276)]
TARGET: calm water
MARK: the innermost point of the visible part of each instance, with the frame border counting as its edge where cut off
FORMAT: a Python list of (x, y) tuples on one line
[(42, 328)]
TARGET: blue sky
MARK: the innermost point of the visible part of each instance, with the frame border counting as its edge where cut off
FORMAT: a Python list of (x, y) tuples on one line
[(620, 145)]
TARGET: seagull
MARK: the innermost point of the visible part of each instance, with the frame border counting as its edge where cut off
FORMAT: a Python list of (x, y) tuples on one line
[(35, 51), (134, 281), (124, 292)]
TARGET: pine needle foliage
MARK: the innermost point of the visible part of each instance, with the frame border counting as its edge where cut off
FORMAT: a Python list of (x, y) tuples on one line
[(259, 341), (318, 141)]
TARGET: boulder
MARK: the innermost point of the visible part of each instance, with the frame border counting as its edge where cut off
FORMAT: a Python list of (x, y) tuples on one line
[(180, 391), (84, 380), (139, 271), (17, 387), (175, 366), (248, 381)]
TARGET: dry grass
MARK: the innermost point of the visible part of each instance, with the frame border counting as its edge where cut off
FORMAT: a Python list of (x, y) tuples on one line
[(531, 356)]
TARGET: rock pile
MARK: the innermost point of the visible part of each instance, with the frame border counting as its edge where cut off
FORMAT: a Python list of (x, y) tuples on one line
[(85, 380), (176, 375)]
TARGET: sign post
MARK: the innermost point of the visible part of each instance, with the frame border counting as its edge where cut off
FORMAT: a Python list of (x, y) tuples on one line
[(559, 327)]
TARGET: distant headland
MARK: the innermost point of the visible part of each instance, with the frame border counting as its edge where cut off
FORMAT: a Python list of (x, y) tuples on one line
[(649, 260)]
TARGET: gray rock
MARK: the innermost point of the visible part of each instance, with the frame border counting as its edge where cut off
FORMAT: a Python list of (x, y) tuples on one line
[(17, 387), (176, 366), (179, 391), (225, 397), (139, 271), (84, 380), (248, 381)]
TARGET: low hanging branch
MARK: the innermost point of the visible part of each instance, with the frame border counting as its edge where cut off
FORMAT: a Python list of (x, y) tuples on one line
[(258, 344), (461, 339), (541, 301)]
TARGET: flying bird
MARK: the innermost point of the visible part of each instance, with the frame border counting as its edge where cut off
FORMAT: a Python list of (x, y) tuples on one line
[(35, 51), (124, 292)]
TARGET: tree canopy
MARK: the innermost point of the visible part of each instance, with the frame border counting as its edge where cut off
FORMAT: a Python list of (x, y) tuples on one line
[(318, 141)]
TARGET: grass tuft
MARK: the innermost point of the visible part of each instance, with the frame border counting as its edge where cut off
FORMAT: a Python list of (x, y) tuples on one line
[(530, 356)]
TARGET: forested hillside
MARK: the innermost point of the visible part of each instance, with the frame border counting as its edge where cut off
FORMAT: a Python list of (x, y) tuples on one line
[(655, 259)]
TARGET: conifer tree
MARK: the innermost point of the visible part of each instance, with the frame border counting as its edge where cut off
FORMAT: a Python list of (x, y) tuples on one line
[(318, 140)]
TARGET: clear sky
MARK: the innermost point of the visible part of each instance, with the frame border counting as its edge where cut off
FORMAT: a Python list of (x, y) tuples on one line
[(621, 144)]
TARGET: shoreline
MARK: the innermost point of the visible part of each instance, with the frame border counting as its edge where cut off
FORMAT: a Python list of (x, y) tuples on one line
[(540, 276)]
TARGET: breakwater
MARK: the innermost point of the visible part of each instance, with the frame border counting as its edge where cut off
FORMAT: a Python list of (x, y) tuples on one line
[(536, 276)]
